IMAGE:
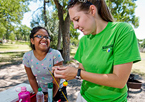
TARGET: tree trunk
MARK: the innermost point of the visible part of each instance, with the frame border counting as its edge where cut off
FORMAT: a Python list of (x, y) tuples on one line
[(59, 38), (66, 39), (64, 29)]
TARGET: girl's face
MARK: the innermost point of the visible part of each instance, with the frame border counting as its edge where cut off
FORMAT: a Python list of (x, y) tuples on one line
[(82, 20), (41, 40)]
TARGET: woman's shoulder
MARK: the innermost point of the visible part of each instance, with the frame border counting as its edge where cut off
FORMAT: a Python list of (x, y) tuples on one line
[(121, 24)]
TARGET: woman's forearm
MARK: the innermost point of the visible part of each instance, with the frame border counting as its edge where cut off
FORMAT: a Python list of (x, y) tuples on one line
[(117, 78), (103, 79)]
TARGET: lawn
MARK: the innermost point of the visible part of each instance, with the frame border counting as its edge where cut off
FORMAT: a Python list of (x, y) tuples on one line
[(12, 53), (139, 67), (14, 47)]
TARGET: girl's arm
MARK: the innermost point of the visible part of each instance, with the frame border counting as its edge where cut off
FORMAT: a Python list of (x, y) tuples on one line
[(32, 79), (55, 86), (116, 79)]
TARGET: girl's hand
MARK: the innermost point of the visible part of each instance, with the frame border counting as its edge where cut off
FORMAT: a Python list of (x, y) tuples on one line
[(46, 98), (53, 68)]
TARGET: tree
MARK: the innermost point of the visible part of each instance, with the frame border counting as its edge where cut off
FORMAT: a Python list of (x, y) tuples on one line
[(123, 11), (11, 14), (64, 21), (12, 37), (22, 32), (63, 27), (142, 45)]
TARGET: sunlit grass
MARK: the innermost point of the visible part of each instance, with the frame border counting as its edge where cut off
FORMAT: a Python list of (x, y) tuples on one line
[(14, 47), (10, 53), (139, 67), (73, 51)]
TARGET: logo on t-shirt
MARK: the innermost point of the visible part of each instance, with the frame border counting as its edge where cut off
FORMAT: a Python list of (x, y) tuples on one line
[(107, 48)]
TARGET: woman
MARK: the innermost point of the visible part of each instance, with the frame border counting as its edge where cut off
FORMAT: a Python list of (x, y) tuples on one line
[(105, 54)]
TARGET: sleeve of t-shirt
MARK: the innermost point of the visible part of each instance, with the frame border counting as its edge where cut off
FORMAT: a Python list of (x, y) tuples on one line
[(126, 46), (57, 57), (26, 60), (79, 51)]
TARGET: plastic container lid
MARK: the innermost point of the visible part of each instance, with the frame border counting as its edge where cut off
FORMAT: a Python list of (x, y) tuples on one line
[(50, 85), (39, 89), (23, 88)]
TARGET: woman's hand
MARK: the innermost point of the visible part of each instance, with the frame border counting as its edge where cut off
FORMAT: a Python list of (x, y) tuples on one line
[(65, 72)]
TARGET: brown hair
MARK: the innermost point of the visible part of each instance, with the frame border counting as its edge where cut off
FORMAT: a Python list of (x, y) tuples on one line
[(103, 10)]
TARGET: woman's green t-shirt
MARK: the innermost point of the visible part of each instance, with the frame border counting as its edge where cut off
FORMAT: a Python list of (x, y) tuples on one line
[(116, 44)]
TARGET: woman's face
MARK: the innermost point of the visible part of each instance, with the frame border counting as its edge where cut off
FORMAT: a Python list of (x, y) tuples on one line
[(41, 40), (82, 20)]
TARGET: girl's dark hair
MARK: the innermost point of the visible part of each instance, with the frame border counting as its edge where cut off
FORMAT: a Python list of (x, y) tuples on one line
[(33, 32), (103, 10)]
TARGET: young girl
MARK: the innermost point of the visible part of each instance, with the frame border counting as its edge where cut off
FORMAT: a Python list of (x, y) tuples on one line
[(40, 60), (106, 53)]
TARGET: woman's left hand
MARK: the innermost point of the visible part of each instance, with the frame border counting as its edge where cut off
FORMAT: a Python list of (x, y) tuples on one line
[(65, 72)]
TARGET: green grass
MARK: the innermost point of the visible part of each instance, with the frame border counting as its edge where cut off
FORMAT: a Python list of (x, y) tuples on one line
[(22, 42), (73, 50), (139, 67), (12, 53), (11, 57), (12, 47)]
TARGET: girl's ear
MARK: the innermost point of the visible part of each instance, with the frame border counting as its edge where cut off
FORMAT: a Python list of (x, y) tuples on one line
[(32, 40), (93, 10)]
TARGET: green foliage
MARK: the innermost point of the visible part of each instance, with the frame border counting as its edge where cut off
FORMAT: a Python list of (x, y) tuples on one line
[(2, 30), (52, 21), (73, 32), (22, 33), (142, 43), (123, 11), (74, 41), (11, 14), (12, 37)]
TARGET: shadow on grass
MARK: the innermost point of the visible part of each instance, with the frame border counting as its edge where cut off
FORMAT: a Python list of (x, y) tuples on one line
[(12, 75), (11, 58), (10, 64)]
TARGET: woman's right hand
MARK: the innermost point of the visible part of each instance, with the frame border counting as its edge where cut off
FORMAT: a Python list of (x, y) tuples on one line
[(65, 72)]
